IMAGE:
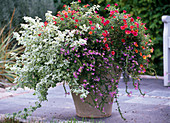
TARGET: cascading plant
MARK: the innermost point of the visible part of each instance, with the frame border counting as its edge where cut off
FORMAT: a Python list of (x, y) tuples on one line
[(77, 44)]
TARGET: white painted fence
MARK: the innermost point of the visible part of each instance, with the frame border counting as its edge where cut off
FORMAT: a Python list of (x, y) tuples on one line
[(166, 49)]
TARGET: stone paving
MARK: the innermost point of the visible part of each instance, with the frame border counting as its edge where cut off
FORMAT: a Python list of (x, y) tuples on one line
[(153, 108)]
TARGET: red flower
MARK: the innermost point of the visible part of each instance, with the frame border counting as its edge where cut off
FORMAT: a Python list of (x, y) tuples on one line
[(90, 22), (45, 23), (136, 23), (66, 16), (62, 19), (39, 34), (107, 22), (90, 32), (112, 27), (75, 26), (122, 27), (79, 1), (114, 16), (55, 22), (123, 40), (126, 26), (142, 24), (58, 15), (131, 27), (113, 52), (73, 18), (124, 20), (106, 45), (116, 11), (131, 19), (104, 34), (64, 5), (76, 20)]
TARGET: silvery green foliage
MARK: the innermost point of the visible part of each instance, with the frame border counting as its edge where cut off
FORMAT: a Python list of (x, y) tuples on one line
[(42, 65)]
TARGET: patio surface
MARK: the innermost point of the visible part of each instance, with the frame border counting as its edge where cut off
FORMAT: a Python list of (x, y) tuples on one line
[(153, 108)]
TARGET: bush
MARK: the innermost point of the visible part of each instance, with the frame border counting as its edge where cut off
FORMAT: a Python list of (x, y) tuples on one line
[(7, 46), (150, 11)]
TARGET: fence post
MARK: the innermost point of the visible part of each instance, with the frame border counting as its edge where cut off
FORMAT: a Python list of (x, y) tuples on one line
[(166, 49)]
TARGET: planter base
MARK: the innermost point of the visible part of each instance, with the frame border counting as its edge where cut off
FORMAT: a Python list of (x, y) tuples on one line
[(87, 111)]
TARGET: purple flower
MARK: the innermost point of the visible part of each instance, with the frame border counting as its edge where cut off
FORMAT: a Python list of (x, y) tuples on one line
[(101, 94), (92, 86), (85, 49), (74, 74)]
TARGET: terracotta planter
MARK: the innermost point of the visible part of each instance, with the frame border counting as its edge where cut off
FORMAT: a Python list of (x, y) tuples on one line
[(87, 111)]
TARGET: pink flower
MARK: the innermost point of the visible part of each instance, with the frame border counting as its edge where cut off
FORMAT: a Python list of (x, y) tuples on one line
[(124, 11), (106, 45), (122, 27), (125, 16), (76, 20), (92, 73), (138, 17), (116, 4), (112, 12), (135, 33), (127, 31), (92, 27), (108, 5), (145, 28)]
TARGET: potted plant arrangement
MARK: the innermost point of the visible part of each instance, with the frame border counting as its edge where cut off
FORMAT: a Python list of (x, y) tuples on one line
[(85, 50)]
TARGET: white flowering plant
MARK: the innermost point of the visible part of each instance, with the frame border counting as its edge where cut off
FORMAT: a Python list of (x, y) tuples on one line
[(79, 44)]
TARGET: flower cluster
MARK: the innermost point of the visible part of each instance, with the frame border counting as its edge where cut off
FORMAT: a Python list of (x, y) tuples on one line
[(84, 49)]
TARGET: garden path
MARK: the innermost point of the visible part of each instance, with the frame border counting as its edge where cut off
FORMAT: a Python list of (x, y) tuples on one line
[(153, 108)]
